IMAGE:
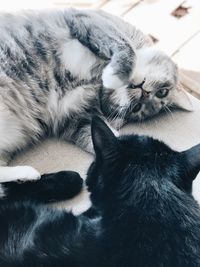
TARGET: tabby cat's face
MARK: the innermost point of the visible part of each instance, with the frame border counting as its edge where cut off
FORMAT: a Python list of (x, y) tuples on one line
[(152, 87)]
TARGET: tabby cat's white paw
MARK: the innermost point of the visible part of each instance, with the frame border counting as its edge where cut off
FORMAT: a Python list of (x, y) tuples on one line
[(111, 80), (26, 173)]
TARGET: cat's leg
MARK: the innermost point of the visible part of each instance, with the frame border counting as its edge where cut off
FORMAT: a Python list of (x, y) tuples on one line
[(18, 173), (13, 138), (79, 132), (81, 136), (105, 41), (50, 188)]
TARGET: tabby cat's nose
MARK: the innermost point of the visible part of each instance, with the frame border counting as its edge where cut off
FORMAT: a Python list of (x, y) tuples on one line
[(145, 93)]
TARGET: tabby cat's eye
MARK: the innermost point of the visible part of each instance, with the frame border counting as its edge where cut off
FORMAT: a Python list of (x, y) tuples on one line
[(131, 86), (162, 93), (137, 107)]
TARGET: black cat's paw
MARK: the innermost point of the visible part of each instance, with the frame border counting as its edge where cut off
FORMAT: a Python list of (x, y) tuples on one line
[(63, 185)]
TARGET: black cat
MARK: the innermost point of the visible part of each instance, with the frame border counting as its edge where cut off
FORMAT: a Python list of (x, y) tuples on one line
[(143, 212)]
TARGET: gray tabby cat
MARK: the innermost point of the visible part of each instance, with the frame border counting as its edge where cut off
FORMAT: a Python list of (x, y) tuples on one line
[(59, 68)]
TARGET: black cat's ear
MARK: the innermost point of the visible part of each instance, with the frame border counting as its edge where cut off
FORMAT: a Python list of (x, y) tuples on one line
[(193, 158), (104, 141)]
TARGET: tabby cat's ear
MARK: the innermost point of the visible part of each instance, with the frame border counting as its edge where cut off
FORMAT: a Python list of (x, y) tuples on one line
[(193, 158), (181, 99), (104, 141)]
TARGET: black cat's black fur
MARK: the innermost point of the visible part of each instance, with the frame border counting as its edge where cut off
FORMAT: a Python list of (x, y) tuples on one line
[(146, 215)]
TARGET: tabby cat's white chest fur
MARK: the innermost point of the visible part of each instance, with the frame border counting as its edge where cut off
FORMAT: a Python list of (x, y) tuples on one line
[(73, 101)]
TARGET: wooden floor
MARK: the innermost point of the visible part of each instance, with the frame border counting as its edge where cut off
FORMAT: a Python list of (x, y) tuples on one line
[(174, 25)]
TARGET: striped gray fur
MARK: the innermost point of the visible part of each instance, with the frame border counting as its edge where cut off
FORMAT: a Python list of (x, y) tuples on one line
[(59, 68)]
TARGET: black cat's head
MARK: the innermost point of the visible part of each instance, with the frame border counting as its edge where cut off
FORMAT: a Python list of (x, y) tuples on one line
[(129, 168)]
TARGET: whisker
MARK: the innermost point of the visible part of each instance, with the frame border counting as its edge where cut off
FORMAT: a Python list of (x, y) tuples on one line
[(169, 112), (119, 117)]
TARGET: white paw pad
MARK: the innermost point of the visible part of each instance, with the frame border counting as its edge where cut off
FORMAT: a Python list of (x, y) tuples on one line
[(26, 173), (111, 80)]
